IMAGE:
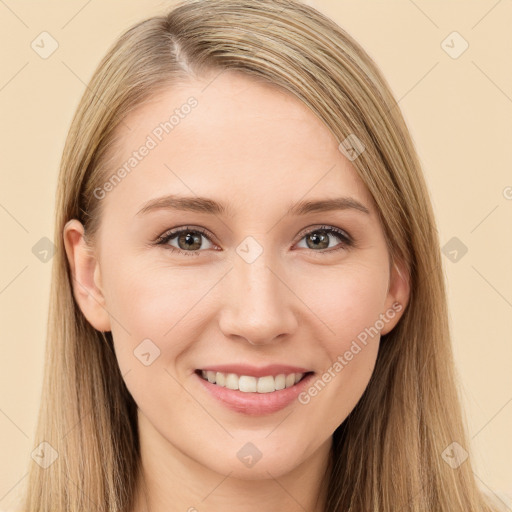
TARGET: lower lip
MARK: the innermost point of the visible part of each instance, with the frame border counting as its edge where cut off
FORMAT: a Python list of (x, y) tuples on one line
[(256, 404)]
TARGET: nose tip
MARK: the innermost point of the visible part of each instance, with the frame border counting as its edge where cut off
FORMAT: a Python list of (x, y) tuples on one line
[(258, 306)]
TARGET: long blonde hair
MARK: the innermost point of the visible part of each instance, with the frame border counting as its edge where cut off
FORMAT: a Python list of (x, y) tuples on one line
[(388, 454)]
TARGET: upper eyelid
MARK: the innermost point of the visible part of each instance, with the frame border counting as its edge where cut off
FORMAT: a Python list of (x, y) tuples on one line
[(319, 227), (170, 233), (176, 231)]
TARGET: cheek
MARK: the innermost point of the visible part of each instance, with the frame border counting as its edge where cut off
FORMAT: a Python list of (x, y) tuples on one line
[(349, 303), (152, 302), (347, 300), (157, 313), (159, 304)]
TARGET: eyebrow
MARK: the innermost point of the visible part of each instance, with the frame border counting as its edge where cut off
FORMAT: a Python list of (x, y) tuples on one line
[(206, 205)]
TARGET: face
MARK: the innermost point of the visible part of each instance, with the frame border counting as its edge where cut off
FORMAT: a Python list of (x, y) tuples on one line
[(257, 287)]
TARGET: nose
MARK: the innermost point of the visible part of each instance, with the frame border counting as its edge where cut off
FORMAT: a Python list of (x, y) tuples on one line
[(258, 304)]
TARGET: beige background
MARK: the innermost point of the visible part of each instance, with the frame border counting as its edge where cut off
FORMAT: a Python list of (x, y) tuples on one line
[(459, 111)]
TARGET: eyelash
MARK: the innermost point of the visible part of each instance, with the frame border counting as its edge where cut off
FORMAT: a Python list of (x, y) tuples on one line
[(346, 241)]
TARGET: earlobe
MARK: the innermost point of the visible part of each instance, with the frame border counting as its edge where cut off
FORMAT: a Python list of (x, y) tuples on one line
[(86, 276), (398, 296)]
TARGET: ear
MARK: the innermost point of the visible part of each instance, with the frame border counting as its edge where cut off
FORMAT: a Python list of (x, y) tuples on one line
[(86, 276), (397, 297)]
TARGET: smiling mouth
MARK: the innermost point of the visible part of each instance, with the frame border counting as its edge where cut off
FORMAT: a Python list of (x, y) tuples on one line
[(251, 384)]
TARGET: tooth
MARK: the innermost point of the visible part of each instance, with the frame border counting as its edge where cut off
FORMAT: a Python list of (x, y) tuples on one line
[(247, 384), (250, 384), (280, 381), (290, 380), (231, 381), (220, 379), (266, 384)]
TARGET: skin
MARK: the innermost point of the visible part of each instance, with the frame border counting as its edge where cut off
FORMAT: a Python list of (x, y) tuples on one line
[(258, 150)]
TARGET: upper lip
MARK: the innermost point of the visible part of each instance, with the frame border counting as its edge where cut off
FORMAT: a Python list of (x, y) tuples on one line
[(255, 371)]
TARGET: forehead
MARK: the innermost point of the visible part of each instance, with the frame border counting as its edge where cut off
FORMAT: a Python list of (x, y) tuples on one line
[(230, 136)]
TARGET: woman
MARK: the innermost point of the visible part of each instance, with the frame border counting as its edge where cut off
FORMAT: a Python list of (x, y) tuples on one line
[(248, 309)]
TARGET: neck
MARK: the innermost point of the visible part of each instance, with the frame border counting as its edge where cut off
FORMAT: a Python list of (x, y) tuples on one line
[(170, 481)]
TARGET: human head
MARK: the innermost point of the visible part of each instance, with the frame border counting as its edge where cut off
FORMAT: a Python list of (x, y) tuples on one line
[(326, 70)]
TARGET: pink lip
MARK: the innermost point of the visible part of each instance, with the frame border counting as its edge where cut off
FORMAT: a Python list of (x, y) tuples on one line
[(255, 404), (244, 369)]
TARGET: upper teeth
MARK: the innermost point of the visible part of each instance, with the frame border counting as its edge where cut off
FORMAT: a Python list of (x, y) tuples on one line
[(249, 384)]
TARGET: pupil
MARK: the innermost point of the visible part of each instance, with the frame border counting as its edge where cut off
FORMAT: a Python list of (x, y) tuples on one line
[(318, 240), (190, 240)]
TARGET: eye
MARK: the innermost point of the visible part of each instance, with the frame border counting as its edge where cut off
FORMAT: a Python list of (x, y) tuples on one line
[(321, 237), (188, 240)]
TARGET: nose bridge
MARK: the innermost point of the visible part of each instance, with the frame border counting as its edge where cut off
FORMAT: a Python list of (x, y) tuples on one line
[(257, 303)]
